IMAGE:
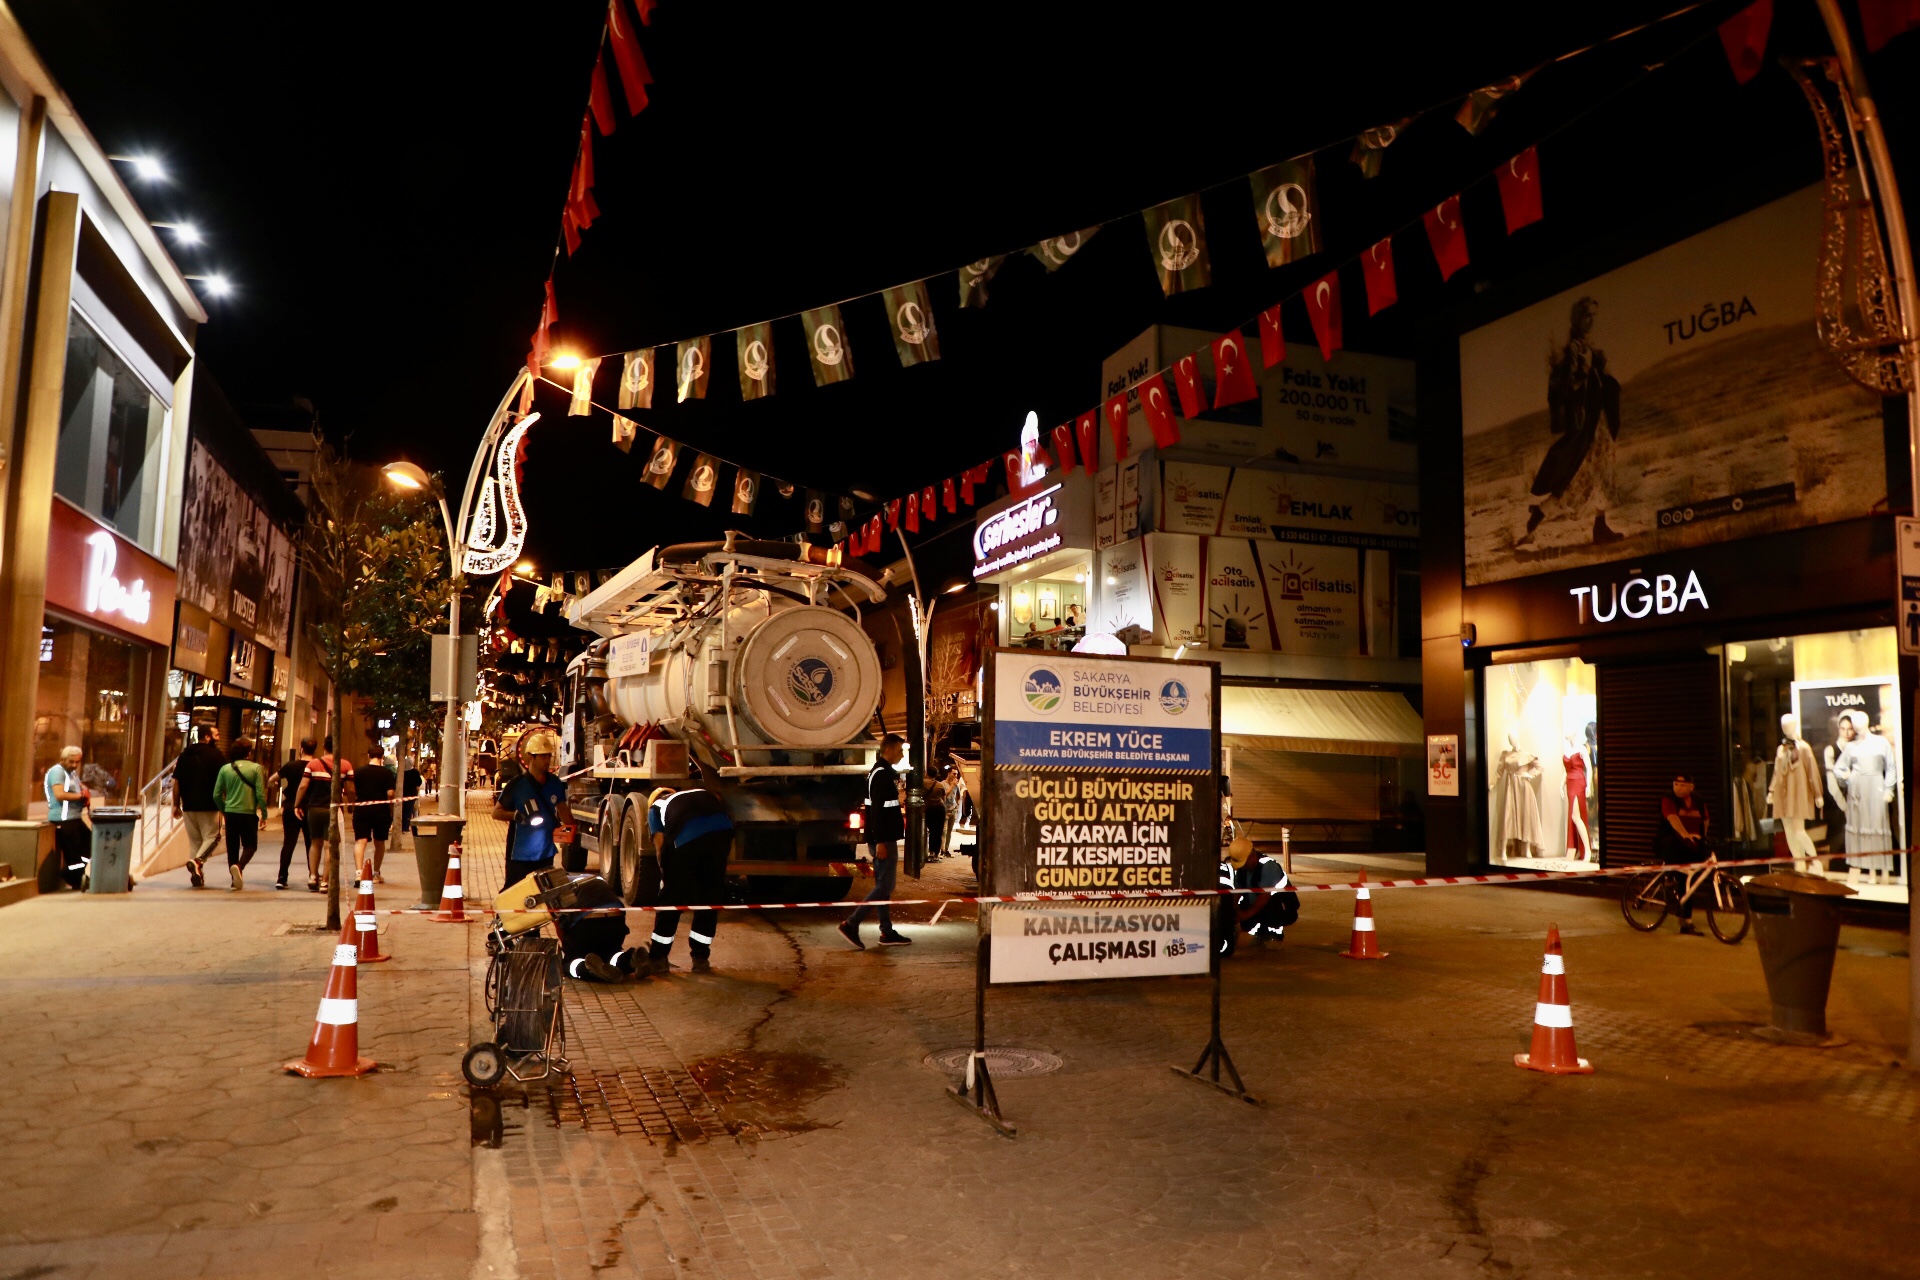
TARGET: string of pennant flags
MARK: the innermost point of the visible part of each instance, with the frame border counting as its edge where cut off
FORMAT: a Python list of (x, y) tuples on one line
[(1287, 216)]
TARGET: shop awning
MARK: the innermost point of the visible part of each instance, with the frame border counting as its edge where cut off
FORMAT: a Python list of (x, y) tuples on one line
[(1356, 722)]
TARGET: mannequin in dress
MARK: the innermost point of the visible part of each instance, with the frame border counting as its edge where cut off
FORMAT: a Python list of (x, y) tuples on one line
[(1521, 832), (1843, 734), (1794, 794), (1579, 846), (1867, 773)]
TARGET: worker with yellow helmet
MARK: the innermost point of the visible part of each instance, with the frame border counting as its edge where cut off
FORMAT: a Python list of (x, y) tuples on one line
[(535, 804)]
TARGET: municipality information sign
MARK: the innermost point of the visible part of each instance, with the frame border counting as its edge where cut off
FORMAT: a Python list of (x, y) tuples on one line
[(1049, 942)]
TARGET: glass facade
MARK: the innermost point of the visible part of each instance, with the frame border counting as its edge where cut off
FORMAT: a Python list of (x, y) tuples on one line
[(1048, 612), (113, 432), (91, 694), (1542, 740)]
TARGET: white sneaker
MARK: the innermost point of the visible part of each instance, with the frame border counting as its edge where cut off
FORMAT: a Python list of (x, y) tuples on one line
[(235, 872)]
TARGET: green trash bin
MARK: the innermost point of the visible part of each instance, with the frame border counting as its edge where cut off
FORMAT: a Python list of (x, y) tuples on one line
[(109, 868), (1796, 921), (433, 834)]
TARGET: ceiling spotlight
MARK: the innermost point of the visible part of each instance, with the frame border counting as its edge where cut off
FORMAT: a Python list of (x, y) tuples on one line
[(217, 285), (145, 168), (184, 232)]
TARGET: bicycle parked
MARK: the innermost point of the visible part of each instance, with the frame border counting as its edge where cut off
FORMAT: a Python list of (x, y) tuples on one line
[(1647, 899)]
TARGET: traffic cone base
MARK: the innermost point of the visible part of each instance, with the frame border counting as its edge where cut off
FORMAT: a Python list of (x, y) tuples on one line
[(334, 1050), (453, 898), (1552, 1050), (1365, 943)]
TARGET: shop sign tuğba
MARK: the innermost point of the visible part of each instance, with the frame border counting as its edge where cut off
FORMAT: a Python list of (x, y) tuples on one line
[(1637, 597)]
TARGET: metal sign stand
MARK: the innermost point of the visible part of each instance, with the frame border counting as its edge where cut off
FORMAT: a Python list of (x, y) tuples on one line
[(977, 1094), (1215, 1055)]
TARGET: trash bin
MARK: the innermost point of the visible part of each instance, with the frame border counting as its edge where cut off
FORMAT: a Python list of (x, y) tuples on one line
[(112, 850), (432, 834), (1796, 921)]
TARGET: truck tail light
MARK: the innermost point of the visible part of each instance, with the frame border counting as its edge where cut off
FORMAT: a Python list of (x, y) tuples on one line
[(854, 821)]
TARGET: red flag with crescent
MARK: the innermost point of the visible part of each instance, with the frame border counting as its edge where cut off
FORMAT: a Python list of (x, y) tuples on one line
[(947, 496), (1744, 37), (874, 534), (1323, 309), (1087, 427), (1519, 180), (1273, 343), (1186, 380), (634, 76), (600, 98), (1376, 268), (1232, 370), (893, 514), (1159, 410), (1063, 446), (966, 486), (1448, 236), (1116, 414), (913, 513), (1012, 460), (929, 503)]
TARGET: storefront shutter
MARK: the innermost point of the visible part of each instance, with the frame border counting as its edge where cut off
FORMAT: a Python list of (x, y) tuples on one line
[(1656, 720), (1306, 785)]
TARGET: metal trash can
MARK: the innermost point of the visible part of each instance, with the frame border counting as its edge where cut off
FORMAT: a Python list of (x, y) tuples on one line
[(112, 857), (1796, 921), (432, 834)]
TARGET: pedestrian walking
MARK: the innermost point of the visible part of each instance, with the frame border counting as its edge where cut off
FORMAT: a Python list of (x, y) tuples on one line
[(943, 801), (312, 805), (373, 822), (411, 782), (67, 810), (692, 836), (292, 829), (193, 800), (241, 789), (1682, 836), (535, 804), (885, 827)]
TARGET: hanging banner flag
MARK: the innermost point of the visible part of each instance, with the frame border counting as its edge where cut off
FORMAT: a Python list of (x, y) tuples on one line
[(910, 313), (973, 280), (746, 490), (816, 511), (694, 362), (636, 380), (1159, 410), (1273, 343), (1476, 113), (1370, 148), (1519, 180), (1062, 447), (827, 346), (1232, 371), (1116, 415), (783, 488), (966, 486), (600, 98), (582, 403), (624, 430), (948, 498), (1447, 235), (1087, 430), (913, 514), (1055, 253), (754, 345), (1186, 381), (702, 480), (929, 503), (1323, 309), (846, 513), (1015, 465), (1376, 268), (1287, 209), (1882, 20), (634, 76), (893, 514), (660, 466), (1744, 37), (1177, 234)]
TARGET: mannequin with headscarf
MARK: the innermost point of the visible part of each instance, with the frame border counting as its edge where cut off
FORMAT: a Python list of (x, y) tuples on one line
[(1867, 772), (1794, 793)]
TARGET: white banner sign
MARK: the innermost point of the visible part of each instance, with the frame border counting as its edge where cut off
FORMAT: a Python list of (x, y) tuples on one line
[(1047, 942), (629, 655)]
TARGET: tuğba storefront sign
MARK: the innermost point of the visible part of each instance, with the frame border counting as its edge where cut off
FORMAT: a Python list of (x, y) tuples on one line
[(1637, 597)]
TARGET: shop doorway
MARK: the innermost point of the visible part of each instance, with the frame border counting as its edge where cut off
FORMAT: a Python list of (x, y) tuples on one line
[(1656, 719)]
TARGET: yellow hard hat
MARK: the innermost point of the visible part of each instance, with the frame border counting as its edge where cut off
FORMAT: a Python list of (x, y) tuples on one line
[(657, 795), (1239, 851), (542, 742)]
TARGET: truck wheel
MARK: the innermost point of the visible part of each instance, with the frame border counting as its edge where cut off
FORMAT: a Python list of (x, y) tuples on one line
[(639, 867)]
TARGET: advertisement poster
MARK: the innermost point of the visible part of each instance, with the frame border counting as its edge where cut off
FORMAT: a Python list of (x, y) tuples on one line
[(1324, 509), (1106, 511), (1822, 706), (1680, 400), (1192, 496), (1125, 592), (1236, 604), (1173, 559), (1443, 764), (1101, 774), (234, 561), (1129, 510), (1383, 640), (1315, 594)]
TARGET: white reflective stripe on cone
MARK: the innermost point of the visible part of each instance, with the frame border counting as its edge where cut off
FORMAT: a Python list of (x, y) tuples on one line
[(453, 864), (1553, 964), (366, 886), (701, 938), (363, 922), (1363, 894), (345, 954), (1363, 924), (452, 891), (339, 1013), (1552, 1015)]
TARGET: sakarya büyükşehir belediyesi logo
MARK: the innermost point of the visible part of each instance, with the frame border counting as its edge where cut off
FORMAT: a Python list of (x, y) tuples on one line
[(1043, 691), (1173, 697), (810, 680)]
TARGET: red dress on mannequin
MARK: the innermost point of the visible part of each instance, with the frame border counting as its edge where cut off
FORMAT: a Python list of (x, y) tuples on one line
[(1576, 801)]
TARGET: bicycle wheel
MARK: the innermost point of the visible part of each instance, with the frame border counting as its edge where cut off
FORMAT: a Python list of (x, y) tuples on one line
[(1727, 913), (1646, 899)]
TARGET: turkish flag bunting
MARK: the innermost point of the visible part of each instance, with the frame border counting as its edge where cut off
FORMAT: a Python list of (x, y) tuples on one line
[(929, 503), (646, 10), (1376, 268), (1519, 180), (1012, 459), (1744, 37), (550, 311), (1063, 446), (1447, 235), (1186, 380), (913, 514), (1159, 410), (634, 76), (948, 498), (966, 486), (1273, 343), (567, 230), (600, 97), (1232, 370), (874, 534), (1087, 428), (1323, 309), (893, 514), (1882, 20), (583, 167), (1116, 415)]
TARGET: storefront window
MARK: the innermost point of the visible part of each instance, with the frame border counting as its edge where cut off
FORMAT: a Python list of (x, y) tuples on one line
[(112, 433), (91, 689), (1541, 747), (1843, 688), (1048, 612)]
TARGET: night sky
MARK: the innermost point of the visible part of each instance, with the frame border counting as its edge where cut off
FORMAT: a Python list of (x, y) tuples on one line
[(384, 184)]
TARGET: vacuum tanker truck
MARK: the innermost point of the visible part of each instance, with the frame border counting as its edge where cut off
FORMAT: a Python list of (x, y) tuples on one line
[(739, 666)]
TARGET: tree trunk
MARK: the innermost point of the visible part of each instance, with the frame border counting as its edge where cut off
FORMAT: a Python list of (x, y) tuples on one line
[(335, 812)]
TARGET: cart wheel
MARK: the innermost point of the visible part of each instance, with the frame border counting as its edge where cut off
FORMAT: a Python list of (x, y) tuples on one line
[(483, 1066)]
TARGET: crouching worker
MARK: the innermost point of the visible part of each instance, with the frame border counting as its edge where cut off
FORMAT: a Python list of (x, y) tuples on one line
[(1265, 913), (593, 938)]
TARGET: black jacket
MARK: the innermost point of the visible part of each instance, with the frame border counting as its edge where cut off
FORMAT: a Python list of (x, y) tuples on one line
[(882, 814), (193, 777)]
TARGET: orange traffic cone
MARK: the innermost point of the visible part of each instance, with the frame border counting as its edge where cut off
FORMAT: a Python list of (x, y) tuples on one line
[(453, 899), (1552, 1050), (335, 1047), (1366, 943), (365, 923)]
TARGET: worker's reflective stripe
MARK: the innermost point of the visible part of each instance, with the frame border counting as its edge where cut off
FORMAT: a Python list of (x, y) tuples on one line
[(363, 922), (701, 938), (453, 891), (75, 866), (1553, 964), (1363, 924), (339, 1013), (573, 970), (889, 804), (1552, 1015), (614, 959), (345, 954), (665, 942)]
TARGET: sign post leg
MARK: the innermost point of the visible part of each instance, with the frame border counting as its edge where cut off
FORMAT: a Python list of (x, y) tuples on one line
[(976, 1091), (1215, 1055)]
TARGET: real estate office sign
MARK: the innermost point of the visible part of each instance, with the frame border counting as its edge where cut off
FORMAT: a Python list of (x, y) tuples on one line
[(1101, 774)]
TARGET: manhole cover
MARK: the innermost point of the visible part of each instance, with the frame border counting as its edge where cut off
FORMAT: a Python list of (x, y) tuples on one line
[(1003, 1063)]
